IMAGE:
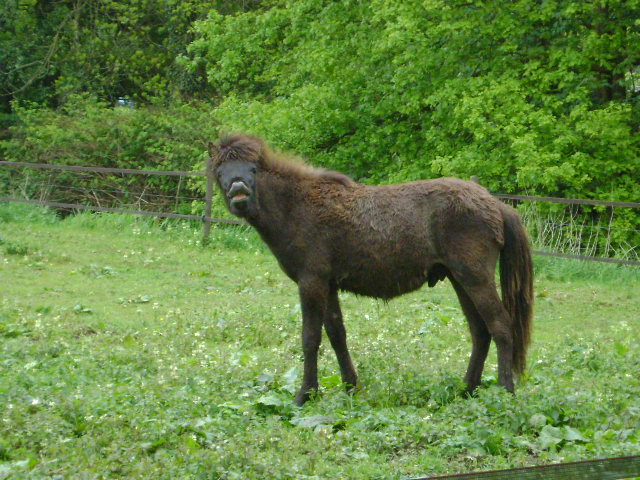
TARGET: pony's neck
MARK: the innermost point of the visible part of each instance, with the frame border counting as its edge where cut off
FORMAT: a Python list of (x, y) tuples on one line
[(277, 198)]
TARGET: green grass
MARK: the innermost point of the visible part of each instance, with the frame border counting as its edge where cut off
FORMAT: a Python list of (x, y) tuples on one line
[(128, 350)]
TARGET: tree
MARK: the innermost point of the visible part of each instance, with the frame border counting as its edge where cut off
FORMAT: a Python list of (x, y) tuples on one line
[(50, 49), (529, 94)]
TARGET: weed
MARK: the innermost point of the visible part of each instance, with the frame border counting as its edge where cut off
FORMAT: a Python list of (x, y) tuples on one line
[(136, 352)]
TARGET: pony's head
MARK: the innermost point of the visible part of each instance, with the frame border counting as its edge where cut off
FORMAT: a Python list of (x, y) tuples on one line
[(236, 161)]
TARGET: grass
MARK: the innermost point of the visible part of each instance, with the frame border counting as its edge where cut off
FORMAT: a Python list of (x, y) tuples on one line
[(566, 229), (129, 350)]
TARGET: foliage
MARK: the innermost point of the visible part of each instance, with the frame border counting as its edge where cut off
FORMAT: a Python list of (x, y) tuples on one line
[(530, 96), (109, 48), (537, 97), (90, 133), (129, 350)]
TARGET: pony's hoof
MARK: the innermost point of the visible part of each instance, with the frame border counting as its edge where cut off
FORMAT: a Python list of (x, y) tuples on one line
[(470, 393), (351, 387), (508, 386), (303, 396), (471, 388)]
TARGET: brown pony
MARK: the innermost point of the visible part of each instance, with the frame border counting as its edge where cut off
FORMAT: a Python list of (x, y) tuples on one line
[(330, 233)]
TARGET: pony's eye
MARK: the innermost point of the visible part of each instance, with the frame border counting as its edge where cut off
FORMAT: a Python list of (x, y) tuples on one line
[(254, 170)]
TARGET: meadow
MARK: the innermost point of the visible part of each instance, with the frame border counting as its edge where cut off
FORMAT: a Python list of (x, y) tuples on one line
[(130, 350)]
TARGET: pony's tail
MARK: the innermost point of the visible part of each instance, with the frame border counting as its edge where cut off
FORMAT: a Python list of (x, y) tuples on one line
[(516, 281)]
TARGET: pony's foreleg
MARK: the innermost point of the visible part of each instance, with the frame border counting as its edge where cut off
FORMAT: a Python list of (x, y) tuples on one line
[(314, 295), (337, 334)]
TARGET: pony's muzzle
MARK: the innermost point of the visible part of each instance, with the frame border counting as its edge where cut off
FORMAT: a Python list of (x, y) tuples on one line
[(238, 193)]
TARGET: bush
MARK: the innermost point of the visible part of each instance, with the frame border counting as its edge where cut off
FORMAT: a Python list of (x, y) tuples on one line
[(539, 101), (535, 99), (90, 133)]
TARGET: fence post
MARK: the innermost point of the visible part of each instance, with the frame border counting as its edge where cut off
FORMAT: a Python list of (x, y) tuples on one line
[(208, 200)]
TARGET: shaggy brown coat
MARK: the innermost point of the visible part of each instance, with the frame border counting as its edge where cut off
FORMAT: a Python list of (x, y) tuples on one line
[(330, 233)]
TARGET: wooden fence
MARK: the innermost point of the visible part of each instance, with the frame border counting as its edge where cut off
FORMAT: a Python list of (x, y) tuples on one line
[(597, 469), (207, 219)]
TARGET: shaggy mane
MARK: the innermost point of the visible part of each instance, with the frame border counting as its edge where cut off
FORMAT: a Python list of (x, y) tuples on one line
[(253, 149)]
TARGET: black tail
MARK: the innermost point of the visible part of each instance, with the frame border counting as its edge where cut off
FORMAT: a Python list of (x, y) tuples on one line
[(516, 280)]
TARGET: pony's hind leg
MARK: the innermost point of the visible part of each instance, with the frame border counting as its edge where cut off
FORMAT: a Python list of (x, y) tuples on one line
[(337, 334), (481, 290), (499, 324), (480, 337)]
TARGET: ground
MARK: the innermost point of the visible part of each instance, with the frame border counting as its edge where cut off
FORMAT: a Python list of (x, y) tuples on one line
[(129, 350)]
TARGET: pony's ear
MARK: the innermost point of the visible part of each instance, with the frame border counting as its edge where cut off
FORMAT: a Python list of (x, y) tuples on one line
[(214, 149)]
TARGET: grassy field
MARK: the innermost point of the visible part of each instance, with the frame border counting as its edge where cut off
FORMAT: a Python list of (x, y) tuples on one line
[(128, 350)]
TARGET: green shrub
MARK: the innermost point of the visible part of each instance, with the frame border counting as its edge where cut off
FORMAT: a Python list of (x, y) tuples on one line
[(538, 100), (89, 133), (394, 91)]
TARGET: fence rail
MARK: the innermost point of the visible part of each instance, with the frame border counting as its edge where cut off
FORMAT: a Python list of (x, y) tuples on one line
[(207, 219), (599, 469), (76, 206), (569, 201), (587, 257), (77, 168)]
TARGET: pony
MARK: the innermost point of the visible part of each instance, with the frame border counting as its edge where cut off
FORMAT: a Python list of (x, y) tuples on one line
[(331, 234)]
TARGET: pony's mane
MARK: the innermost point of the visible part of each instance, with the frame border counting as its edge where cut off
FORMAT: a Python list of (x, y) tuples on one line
[(254, 149)]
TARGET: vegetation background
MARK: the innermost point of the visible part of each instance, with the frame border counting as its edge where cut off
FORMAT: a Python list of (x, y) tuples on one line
[(128, 350), (533, 96)]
